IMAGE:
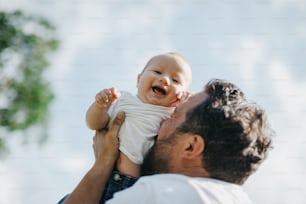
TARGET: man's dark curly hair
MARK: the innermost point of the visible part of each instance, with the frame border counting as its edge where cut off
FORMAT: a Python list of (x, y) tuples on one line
[(236, 132)]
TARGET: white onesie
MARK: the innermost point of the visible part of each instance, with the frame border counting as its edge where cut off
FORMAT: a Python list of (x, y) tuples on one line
[(142, 122)]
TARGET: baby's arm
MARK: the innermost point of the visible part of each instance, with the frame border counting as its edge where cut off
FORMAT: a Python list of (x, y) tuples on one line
[(96, 116)]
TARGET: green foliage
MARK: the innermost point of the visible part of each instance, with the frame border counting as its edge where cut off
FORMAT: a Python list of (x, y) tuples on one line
[(25, 94)]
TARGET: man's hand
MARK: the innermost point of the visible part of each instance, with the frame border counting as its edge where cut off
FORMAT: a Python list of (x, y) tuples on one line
[(106, 142), (105, 145)]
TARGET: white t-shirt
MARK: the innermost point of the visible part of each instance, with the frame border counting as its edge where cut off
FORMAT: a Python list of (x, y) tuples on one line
[(179, 189), (141, 124)]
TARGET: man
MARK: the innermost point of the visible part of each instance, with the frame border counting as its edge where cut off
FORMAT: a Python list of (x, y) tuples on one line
[(203, 153)]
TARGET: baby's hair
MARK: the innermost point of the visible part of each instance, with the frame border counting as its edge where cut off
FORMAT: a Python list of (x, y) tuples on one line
[(172, 54), (175, 54)]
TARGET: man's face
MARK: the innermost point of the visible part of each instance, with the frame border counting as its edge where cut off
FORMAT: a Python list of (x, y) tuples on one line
[(179, 115), (162, 156)]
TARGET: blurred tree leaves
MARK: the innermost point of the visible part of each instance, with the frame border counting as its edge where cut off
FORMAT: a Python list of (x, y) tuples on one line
[(25, 94)]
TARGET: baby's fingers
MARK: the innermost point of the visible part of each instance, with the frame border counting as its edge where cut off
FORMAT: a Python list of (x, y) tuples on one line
[(104, 98), (184, 96), (115, 94)]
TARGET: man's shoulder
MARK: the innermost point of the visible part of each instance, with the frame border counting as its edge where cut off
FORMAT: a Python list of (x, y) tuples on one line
[(195, 188), (166, 179)]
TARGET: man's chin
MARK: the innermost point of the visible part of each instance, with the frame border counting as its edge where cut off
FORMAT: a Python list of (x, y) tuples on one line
[(147, 167), (156, 161)]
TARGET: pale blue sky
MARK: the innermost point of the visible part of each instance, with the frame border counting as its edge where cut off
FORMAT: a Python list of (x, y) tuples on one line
[(258, 45)]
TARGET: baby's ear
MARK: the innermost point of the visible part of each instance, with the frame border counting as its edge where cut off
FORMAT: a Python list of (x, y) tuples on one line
[(138, 78)]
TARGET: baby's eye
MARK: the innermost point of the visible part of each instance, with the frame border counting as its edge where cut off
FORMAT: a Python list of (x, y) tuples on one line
[(175, 81), (157, 72)]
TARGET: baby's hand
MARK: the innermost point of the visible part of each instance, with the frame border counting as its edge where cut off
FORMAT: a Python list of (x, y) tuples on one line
[(181, 98), (106, 97)]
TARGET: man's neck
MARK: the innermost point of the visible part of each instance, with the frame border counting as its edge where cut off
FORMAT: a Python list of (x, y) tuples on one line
[(197, 172)]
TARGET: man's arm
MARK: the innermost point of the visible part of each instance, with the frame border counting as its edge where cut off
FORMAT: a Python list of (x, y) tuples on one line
[(106, 145)]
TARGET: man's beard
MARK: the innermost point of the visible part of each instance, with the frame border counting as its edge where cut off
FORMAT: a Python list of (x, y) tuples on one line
[(158, 159)]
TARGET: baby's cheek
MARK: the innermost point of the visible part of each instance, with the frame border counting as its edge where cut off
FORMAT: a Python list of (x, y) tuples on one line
[(173, 96), (181, 88)]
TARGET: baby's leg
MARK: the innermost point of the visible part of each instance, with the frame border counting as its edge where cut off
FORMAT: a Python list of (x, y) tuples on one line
[(126, 166), (117, 182), (125, 175)]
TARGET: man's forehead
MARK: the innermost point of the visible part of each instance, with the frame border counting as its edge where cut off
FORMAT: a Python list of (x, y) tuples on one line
[(198, 98), (193, 101)]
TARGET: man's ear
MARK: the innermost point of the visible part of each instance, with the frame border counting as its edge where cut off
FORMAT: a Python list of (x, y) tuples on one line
[(195, 145)]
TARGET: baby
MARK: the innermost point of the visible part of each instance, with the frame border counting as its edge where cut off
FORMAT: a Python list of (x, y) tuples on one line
[(162, 84)]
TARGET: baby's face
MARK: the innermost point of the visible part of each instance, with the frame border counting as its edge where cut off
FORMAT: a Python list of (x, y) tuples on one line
[(163, 78)]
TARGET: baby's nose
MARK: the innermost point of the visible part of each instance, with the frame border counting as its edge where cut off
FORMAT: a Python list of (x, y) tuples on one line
[(165, 80)]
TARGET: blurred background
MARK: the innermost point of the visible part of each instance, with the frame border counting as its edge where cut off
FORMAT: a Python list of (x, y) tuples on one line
[(64, 52)]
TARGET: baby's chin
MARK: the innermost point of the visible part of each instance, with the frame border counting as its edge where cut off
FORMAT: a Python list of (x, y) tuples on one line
[(166, 104), (155, 101)]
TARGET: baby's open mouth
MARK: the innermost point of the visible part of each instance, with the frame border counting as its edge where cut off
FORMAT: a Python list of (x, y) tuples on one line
[(159, 90)]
